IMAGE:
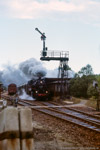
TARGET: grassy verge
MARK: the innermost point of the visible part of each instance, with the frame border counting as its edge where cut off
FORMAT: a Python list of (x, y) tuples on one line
[(72, 99), (91, 103), (75, 100)]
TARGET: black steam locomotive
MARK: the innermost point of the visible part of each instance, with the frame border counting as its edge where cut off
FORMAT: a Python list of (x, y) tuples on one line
[(45, 88), (38, 89)]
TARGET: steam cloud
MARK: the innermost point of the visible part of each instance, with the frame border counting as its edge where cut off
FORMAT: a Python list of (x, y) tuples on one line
[(22, 73), (32, 68), (25, 96), (54, 73), (25, 71)]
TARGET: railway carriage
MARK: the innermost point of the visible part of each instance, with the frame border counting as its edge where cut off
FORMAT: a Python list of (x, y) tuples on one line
[(12, 89)]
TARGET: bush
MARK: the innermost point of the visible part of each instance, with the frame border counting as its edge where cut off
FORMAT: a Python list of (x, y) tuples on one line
[(92, 92)]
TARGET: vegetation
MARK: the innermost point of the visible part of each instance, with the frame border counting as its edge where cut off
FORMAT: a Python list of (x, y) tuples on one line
[(86, 71), (75, 100), (92, 92), (92, 103), (82, 84), (98, 79)]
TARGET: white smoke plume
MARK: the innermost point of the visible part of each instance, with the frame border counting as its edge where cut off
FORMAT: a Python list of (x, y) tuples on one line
[(25, 71), (20, 74), (54, 73), (25, 96), (11, 74), (32, 68)]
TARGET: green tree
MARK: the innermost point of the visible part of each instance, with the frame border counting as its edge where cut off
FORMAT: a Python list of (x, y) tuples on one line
[(76, 75), (92, 91), (79, 85), (98, 80), (87, 70)]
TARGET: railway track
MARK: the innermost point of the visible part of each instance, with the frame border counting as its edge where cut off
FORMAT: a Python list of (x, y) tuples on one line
[(65, 108), (65, 114), (74, 111), (62, 112)]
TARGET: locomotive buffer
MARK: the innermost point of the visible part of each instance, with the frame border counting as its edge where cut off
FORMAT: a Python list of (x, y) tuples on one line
[(62, 56)]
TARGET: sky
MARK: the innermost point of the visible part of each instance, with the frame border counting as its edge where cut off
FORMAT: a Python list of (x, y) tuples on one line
[(69, 25)]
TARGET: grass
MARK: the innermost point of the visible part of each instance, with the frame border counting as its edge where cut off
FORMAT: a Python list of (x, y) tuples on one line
[(75, 100), (91, 103), (72, 99)]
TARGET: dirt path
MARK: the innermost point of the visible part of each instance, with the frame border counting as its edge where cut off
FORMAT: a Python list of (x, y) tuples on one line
[(82, 103)]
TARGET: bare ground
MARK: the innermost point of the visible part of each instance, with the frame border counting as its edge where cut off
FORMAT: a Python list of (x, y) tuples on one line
[(53, 134)]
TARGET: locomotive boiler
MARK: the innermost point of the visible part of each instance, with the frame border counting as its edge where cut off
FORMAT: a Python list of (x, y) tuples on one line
[(38, 89)]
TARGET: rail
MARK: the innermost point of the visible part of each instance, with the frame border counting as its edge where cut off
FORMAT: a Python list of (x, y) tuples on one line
[(90, 124)]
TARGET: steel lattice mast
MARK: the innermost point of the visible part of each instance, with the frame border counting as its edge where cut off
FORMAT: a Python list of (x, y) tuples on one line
[(62, 56)]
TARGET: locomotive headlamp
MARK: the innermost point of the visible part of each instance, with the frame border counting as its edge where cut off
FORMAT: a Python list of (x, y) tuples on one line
[(40, 81), (36, 91), (46, 91)]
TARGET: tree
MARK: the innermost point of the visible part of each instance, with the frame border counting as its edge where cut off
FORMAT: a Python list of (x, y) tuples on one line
[(92, 91), (79, 85), (76, 75), (66, 67), (98, 80), (87, 70)]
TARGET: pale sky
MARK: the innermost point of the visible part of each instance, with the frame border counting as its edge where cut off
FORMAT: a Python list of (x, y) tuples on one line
[(69, 25)]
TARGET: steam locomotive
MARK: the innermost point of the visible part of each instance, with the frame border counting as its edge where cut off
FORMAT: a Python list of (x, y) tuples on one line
[(45, 88), (38, 89)]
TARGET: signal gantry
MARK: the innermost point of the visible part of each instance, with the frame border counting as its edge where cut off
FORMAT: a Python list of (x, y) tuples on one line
[(61, 56)]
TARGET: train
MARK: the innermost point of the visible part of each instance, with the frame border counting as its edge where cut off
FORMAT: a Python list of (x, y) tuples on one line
[(45, 88), (38, 89)]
